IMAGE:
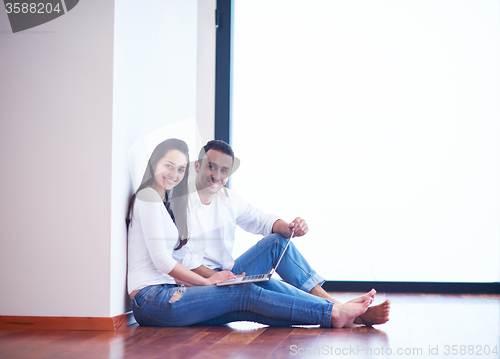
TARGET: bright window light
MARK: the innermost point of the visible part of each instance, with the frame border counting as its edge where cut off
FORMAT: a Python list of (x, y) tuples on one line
[(379, 123)]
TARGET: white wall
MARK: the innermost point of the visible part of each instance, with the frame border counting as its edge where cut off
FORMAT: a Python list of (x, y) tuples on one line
[(205, 82), (55, 154), (75, 95), (163, 87)]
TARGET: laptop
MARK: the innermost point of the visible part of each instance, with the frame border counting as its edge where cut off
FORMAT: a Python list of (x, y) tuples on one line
[(257, 277)]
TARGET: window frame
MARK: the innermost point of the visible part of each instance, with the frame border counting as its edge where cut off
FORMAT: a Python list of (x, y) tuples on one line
[(223, 117)]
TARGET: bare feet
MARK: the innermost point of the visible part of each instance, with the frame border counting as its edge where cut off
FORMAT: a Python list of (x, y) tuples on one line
[(343, 315), (319, 292), (378, 314), (361, 299)]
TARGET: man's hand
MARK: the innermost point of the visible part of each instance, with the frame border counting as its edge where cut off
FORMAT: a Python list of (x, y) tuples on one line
[(285, 229), (299, 226)]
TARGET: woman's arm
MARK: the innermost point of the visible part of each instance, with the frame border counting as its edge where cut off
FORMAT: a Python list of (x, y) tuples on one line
[(161, 237), (184, 276)]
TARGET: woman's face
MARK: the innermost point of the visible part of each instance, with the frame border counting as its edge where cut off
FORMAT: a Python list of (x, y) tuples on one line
[(170, 170)]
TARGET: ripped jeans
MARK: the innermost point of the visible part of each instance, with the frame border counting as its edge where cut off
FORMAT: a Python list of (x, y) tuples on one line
[(157, 306)]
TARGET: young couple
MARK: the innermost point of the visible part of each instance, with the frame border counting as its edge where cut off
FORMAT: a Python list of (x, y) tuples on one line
[(180, 245)]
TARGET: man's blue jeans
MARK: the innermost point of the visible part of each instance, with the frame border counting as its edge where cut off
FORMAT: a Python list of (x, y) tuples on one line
[(212, 305), (293, 268)]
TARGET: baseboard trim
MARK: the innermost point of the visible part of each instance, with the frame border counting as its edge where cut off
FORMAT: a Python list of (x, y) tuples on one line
[(413, 287), (67, 323)]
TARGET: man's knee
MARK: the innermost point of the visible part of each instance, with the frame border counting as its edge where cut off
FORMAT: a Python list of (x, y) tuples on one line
[(275, 238), (281, 240)]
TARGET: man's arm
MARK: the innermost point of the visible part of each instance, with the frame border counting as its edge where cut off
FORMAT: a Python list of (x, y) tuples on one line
[(285, 229)]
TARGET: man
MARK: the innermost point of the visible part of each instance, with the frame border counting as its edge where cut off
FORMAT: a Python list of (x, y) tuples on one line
[(213, 217)]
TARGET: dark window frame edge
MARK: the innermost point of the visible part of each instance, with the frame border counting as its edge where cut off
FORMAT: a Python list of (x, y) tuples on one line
[(222, 131)]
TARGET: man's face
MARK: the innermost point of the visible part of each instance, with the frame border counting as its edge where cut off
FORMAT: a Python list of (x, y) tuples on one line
[(213, 172)]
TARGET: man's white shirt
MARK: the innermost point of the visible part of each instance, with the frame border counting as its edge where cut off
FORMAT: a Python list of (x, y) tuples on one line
[(212, 229)]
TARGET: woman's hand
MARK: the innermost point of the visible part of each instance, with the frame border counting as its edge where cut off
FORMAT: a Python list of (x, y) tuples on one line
[(220, 277), (182, 275)]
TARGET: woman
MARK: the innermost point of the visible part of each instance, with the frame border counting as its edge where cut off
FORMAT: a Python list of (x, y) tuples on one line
[(158, 226)]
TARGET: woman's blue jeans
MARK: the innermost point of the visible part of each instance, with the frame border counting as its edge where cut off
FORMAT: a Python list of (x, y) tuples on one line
[(272, 302), (212, 305)]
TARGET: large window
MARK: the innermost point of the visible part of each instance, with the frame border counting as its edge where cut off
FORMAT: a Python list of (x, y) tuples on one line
[(379, 123)]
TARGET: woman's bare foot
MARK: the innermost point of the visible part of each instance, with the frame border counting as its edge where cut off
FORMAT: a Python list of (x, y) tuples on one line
[(361, 299), (378, 314), (343, 315)]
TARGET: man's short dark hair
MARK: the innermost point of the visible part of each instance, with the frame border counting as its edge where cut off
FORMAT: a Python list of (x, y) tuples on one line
[(216, 145)]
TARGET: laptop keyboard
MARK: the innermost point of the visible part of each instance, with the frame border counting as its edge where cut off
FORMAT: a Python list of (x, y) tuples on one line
[(257, 276)]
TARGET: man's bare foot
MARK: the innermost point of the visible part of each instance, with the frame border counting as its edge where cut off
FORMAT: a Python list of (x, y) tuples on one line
[(361, 299), (343, 315), (378, 314)]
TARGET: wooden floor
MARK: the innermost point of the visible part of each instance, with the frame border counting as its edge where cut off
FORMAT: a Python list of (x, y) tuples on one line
[(421, 326)]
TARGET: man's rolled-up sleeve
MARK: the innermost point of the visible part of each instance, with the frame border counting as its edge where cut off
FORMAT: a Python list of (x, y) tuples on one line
[(251, 218)]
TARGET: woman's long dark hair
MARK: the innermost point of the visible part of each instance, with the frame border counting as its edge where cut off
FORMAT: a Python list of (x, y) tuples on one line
[(177, 196)]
